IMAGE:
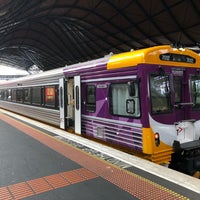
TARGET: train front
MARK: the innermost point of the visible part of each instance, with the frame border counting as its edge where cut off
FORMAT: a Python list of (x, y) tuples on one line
[(168, 81), (174, 110)]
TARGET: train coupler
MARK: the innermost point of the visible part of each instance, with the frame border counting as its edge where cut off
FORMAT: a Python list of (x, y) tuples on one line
[(186, 157)]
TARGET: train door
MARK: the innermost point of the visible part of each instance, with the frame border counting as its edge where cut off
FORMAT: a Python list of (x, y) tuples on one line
[(178, 91), (62, 106), (170, 102), (73, 111), (182, 107), (70, 105), (77, 106)]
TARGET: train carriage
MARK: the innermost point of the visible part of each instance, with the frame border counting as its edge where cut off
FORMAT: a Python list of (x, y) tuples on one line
[(35, 96), (146, 100)]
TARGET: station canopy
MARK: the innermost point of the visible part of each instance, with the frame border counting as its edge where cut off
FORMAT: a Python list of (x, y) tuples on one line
[(53, 33)]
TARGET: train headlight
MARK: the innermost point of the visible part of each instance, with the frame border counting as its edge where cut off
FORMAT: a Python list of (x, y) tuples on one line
[(157, 139)]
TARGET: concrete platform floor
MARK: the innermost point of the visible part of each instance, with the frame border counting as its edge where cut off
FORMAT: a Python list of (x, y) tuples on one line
[(38, 165)]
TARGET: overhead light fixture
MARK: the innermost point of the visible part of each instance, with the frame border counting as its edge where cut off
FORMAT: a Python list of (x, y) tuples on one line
[(178, 46)]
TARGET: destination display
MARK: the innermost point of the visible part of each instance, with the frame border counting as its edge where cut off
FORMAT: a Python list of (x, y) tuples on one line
[(177, 58)]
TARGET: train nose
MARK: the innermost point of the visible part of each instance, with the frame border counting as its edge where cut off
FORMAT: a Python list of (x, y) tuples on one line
[(185, 131), (186, 157)]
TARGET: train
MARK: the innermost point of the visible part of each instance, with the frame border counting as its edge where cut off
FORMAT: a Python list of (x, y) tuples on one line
[(146, 100)]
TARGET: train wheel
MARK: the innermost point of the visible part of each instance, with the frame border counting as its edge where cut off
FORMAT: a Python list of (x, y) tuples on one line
[(197, 174)]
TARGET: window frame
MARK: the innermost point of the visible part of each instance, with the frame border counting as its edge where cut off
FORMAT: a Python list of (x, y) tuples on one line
[(33, 102), (19, 95), (135, 97), (29, 101), (196, 106), (53, 103), (176, 89), (167, 96), (91, 106)]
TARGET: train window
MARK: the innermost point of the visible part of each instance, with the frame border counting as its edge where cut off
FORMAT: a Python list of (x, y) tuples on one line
[(91, 98), (195, 91), (77, 98), (160, 94), (50, 94), (177, 89), (124, 103), (13, 94), (27, 95), (36, 95), (5, 95), (2, 95), (60, 96), (42, 96), (57, 97), (8, 95), (19, 95)]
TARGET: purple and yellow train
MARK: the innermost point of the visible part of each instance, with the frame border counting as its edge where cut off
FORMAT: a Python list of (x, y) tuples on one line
[(146, 100)]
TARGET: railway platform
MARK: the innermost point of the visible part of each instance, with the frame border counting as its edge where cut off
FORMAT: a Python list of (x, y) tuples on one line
[(38, 161)]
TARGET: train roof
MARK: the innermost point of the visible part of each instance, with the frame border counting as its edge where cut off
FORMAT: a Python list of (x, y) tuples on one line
[(162, 55), (87, 64), (47, 77)]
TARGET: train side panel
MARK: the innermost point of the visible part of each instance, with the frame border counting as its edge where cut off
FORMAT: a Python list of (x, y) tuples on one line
[(98, 119), (46, 108), (50, 116)]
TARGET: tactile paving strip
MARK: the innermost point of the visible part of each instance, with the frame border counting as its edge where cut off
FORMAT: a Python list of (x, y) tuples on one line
[(131, 183), (5, 194), (44, 184)]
